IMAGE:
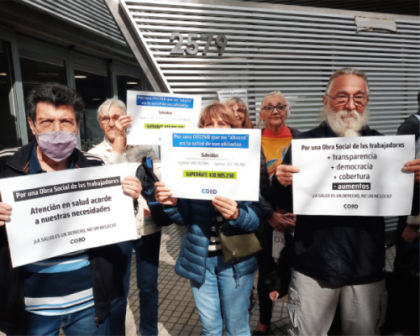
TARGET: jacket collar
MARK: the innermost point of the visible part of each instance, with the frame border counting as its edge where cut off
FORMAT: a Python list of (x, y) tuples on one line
[(20, 160)]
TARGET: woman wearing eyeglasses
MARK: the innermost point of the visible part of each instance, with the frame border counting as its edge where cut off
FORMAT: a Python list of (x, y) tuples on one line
[(113, 119), (239, 109), (275, 141), (216, 285)]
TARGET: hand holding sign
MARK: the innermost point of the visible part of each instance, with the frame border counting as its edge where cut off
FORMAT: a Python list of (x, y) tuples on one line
[(122, 123), (120, 126), (282, 222), (284, 174), (227, 207), (164, 194), (5, 211), (413, 166), (131, 186)]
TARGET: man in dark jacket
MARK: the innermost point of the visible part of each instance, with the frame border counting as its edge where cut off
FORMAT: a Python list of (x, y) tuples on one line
[(70, 291), (410, 126), (403, 283), (337, 258)]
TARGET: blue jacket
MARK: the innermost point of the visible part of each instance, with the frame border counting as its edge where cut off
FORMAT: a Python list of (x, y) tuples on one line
[(197, 216)]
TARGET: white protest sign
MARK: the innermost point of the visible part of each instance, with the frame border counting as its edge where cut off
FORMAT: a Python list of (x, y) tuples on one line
[(353, 176), (202, 163), (66, 211), (152, 111), (233, 93), (279, 243)]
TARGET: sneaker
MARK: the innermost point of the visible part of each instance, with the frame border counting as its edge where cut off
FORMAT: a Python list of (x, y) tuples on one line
[(261, 333)]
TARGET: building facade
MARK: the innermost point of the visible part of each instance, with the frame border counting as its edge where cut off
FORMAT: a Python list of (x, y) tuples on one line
[(64, 42), (104, 47)]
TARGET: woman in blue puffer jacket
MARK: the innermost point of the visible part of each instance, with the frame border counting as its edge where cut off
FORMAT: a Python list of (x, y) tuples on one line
[(201, 261)]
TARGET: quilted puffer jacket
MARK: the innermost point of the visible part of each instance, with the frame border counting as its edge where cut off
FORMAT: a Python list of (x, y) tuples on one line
[(197, 216)]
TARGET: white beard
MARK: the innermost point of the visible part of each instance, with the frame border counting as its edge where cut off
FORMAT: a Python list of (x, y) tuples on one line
[(345, 123)]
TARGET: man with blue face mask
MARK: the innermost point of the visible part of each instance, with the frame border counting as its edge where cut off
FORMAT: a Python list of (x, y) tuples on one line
[(71, 291)]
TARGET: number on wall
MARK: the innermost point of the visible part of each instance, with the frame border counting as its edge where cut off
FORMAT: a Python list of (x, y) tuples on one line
[(177, 49), (192, 45)]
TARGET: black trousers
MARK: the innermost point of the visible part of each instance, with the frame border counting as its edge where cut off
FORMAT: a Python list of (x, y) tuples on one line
[(266, 264)]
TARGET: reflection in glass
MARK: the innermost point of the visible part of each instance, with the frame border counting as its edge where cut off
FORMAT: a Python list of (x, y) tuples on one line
[(94, 89), (35, 72), (125, 83), (8, 136)]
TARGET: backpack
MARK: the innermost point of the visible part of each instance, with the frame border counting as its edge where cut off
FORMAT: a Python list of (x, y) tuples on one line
[(148, 179)]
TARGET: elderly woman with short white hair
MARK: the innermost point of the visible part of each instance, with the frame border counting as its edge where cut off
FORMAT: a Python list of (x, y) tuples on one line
[(275, 141), (113, 119)]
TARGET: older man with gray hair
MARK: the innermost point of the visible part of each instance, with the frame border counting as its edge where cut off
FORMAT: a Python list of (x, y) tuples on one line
[(113, 119), (337, 259)]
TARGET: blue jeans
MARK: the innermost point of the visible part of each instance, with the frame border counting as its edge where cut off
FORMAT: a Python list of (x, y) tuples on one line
[(147, 250), (221, 285), (79, 323)]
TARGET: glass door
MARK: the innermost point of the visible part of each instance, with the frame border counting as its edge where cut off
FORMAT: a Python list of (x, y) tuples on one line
[(8, 132), (37, 69), (92, 82)]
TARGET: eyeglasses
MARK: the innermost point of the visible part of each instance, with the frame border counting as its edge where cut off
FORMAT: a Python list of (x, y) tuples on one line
[(106, 119), (239, 110), (270, 108), (342, 99)]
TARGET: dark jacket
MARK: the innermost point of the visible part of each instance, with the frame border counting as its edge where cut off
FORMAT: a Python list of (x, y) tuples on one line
[(15, 162), (343, 250), (197, 216), (412, 126)]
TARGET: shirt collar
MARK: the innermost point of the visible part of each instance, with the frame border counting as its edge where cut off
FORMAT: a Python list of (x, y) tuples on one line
[(35, 167), (109, 145)]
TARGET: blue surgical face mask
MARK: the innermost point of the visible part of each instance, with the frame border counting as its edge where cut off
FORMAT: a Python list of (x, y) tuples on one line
[(57, 145)]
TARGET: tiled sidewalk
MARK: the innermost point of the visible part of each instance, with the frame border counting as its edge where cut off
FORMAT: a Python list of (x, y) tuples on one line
[(177, 312)]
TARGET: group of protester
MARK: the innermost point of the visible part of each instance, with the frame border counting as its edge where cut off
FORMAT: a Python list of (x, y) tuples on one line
[(331, 260)]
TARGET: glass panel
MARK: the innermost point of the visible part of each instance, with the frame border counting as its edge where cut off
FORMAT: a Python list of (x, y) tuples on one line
[(94, 89), (35, 72), (124, 83), (8, 136)]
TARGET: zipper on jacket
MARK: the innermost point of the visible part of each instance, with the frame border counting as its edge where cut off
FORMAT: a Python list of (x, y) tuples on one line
[(96, 321), (340, 255)]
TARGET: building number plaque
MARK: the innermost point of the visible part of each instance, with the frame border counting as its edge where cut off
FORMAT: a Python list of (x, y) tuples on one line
[(192, 45)]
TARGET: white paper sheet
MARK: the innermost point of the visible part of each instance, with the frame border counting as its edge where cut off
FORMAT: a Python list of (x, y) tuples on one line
[(202, 163), (353, 176), (66, 211), (233, 93), (279, 243), (152, 111)]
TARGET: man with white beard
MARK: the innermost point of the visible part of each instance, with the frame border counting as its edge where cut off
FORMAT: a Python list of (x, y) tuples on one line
[(336, 259)]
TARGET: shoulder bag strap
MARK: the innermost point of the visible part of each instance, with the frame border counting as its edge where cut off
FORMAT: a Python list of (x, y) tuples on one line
[(216, 224)]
